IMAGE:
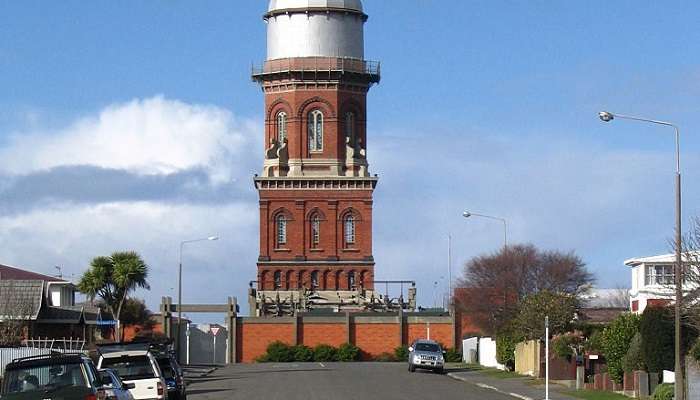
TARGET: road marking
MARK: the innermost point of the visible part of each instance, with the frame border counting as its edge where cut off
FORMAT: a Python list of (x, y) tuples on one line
[(489, 387), (321, 364)]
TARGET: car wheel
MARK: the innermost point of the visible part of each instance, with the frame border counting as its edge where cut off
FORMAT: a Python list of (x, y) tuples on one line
[(411, 368), (440, 370)]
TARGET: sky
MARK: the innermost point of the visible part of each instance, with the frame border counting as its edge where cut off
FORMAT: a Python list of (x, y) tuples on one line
[(135, 125)]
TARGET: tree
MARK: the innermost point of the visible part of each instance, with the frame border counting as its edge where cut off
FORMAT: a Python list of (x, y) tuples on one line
[(112, 279), (559, 307), (616, 341), (135, 312), (494, 285), (657, 327)]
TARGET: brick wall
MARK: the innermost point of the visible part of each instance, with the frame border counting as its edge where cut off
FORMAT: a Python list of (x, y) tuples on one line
[(373, 334)]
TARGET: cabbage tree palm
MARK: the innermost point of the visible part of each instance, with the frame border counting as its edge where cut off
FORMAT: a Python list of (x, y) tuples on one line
[(112, 279)]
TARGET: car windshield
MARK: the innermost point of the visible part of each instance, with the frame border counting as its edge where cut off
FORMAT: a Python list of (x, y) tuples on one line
[(429, 347), (138, 367), (44, 378), (166, 368)]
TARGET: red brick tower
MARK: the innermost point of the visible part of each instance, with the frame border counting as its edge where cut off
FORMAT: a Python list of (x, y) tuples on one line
[(315, 189)]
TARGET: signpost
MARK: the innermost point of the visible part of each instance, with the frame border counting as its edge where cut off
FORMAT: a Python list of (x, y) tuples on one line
[(214, 331), (546, 358)]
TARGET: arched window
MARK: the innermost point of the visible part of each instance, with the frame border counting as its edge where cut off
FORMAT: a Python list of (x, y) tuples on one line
[(350, 126), (278, 280), (314, 279), (351, 280), (315, 130), (281, 222), (281, 126), (315, 230), (349, 225)]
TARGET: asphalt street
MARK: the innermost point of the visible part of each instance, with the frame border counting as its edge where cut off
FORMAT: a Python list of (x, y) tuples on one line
[(337, 381)]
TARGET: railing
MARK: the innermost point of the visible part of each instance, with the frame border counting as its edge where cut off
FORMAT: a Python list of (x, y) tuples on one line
[(12, 353), (318, 64)]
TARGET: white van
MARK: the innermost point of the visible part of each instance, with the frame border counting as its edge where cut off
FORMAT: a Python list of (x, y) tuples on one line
[(135, 366)]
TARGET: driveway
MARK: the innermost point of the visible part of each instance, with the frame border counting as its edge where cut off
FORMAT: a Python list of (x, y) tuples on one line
[(338, 381)]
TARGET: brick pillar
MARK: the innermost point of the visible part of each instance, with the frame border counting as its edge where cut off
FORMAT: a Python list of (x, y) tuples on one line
[(348, 327), (232, 320), (402, 326)]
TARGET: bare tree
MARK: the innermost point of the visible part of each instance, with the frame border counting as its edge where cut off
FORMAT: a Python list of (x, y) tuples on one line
[(691, 275), (494, 285)]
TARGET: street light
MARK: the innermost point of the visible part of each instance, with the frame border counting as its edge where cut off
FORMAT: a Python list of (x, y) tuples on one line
[(179, 289), (679, 384), (468, 214)]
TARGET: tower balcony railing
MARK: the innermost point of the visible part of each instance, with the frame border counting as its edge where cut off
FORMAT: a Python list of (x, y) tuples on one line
[(318, 65)]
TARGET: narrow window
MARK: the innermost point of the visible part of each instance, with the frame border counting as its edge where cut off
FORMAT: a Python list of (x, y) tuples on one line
[(314, 279), (281, 230), (315, 130), (278, 280), (350, 126), (315, 230), (351, 280), (281, 126), (349, 229)]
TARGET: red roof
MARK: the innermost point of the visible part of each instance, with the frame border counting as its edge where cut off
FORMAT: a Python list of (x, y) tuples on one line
[(12, 273)]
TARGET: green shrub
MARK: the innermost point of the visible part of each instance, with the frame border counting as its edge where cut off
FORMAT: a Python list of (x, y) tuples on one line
[(453, 355), (302, 353), (401, 353), (348, 352), (277, 352), (695, 351), (505, 350), (634, 359), (324, 352), (594, 343), (385, 357), (663, 392), (561, 346), (616, 341), (657, 328)]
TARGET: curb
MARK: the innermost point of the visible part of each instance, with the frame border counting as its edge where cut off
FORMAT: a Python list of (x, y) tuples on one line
[(207, 372), (485, 386)]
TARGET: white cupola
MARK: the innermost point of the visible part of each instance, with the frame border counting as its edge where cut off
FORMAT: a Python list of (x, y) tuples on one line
[(315, 28)]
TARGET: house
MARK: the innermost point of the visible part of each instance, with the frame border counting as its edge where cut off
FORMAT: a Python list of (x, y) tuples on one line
[(653, 281), (34, 305), (601, 306)]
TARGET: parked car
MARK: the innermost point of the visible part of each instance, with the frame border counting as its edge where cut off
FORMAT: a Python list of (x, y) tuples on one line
[(173, 375), (426, 354), (114, 387), (135, 364), (54, 376)]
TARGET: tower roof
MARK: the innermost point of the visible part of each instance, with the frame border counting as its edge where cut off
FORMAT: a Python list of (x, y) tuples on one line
[(278, 5)]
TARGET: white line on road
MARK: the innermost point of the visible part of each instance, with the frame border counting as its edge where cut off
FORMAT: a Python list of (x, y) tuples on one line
[(321, 364), (489, 387)]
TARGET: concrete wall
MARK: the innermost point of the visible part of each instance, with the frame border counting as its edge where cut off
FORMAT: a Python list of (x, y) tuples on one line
[(374, 334), (470, 350), (527, 357), (487, 354)]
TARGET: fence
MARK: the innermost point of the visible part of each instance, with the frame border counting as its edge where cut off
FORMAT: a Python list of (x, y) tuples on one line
[(11, 353), (527, 358), (487, 354)]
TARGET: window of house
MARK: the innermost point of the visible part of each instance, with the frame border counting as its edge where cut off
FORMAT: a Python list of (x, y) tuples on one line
[(314, 279), (315, 130), (281, 223), (315, 230), (281, 126), (659, 275), (278, 280), (351, 280), (350, 125), (349, 224)]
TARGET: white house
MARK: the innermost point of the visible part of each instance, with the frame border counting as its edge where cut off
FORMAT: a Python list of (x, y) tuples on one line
[(652, 281)]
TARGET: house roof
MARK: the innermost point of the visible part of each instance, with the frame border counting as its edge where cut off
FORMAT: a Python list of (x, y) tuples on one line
[(21, 299), (14, 273), (661, 258), (605, 298)]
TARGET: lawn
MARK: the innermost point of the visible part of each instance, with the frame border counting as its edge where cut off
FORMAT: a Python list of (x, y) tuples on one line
[(595, 395), (492, 372)]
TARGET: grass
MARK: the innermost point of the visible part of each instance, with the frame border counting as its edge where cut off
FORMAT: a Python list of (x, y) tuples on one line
[(595, 395), (491, 372)]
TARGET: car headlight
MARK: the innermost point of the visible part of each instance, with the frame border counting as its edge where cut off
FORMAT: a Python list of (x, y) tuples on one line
[(416, 358)]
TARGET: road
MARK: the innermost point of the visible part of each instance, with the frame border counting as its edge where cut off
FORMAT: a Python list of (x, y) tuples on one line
[(337, 381)]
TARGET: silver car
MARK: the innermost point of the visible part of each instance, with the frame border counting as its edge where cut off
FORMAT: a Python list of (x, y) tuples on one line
[(426, 354)]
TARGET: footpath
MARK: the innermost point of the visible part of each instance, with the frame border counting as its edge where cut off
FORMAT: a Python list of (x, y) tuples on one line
[(522, 388)]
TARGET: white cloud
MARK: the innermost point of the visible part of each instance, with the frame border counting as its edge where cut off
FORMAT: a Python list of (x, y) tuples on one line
[(150, 136)]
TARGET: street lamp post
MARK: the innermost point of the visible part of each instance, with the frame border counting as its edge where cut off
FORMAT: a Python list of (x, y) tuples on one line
[(678, 278), (178, 341), (468, 214)]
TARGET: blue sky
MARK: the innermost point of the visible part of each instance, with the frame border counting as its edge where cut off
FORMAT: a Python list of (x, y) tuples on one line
[(135, 125)]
